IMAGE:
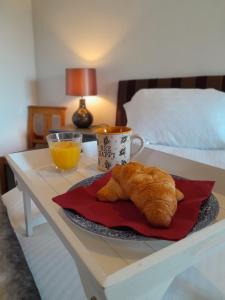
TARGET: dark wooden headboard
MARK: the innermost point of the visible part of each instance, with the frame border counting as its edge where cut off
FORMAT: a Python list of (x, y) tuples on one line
[(127, 88)]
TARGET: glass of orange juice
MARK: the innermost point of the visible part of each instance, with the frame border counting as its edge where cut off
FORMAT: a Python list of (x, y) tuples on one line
[(65, 148)]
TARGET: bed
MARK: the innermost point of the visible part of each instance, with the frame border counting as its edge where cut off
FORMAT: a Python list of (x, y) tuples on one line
[(127, 89)]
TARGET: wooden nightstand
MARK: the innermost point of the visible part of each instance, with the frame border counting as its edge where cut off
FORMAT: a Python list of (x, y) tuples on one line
[(89, 134)]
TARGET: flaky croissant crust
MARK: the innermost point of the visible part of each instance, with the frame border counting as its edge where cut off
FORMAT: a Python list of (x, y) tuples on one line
[(151, 189)]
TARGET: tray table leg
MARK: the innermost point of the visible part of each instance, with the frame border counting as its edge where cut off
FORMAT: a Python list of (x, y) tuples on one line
[(27, 214), (159, 292)]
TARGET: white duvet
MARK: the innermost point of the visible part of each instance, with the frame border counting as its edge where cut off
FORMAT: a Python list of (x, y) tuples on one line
[(210, 157)]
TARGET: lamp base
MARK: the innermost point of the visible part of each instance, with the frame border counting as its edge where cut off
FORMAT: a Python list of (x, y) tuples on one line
[(82, 118)]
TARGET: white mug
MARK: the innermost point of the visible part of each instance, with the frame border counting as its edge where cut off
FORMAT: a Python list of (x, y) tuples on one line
[(114, 146)]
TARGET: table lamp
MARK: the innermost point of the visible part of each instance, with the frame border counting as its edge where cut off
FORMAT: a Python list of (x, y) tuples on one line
[(81, 82)]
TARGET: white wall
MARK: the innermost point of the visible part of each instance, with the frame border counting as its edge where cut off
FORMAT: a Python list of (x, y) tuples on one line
[(17, 73), (125, 39)]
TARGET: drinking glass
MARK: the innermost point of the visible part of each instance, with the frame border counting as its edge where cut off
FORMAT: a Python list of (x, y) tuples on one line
[(65, 148)]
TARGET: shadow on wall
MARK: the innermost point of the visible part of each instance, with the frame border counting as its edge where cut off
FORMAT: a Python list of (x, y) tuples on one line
[(31, 89)]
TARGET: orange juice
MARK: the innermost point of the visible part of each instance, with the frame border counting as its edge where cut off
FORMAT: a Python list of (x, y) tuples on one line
[(65, 154)]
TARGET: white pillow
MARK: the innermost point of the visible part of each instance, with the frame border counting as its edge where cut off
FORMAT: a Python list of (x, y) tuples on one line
[(193, 118)]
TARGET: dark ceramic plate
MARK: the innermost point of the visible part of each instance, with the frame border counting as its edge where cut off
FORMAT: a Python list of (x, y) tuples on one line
[(208, 213)]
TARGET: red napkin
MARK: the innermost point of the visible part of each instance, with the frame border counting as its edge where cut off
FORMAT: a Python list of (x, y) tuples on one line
[(124, 213)]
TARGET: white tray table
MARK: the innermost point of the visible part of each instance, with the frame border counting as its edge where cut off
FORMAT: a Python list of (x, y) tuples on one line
[(115, 269)]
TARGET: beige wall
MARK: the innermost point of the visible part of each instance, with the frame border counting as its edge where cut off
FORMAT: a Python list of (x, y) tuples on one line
[(17, 73), (124, 39)]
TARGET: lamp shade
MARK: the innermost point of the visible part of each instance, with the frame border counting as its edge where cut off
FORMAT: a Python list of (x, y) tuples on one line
[(81, 82)]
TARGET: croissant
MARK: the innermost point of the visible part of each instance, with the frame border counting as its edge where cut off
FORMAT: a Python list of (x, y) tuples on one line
[(151, 189), (112, 191)]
